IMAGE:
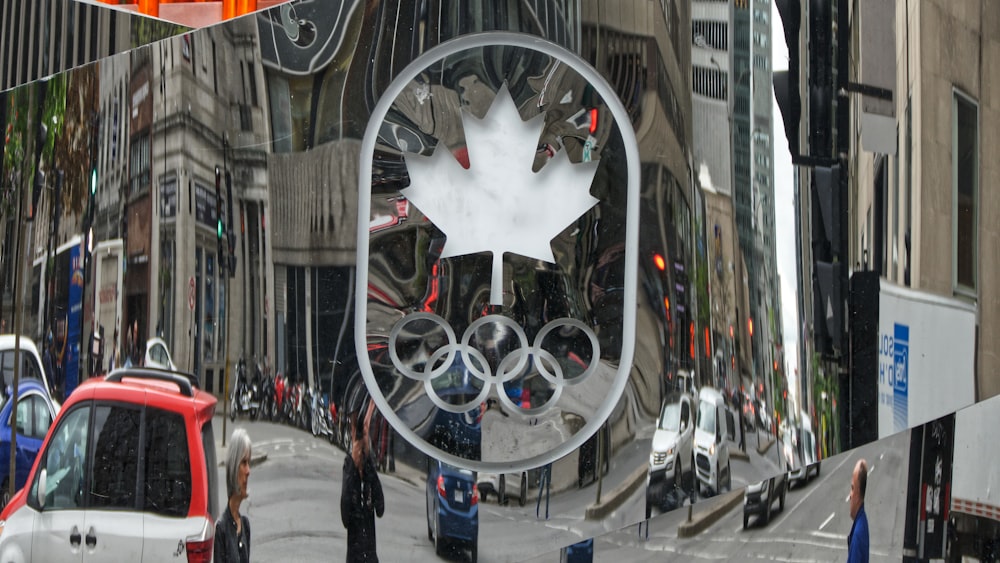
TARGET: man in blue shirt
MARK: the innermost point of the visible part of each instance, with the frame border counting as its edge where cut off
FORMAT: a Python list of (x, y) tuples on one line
[(857, 541)]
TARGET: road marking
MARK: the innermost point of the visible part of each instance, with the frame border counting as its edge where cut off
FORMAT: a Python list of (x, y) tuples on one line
[(827, 521), (811, 490), (827, 535)]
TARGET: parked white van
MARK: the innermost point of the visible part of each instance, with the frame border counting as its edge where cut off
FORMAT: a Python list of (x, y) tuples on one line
[(711, 444)]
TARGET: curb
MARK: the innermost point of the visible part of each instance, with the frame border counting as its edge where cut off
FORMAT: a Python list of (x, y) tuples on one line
[(737, 453), (703, 520), (762, 449), (617, 495)]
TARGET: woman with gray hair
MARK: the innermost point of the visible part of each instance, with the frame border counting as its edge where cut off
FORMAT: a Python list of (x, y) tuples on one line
[(232, 530)]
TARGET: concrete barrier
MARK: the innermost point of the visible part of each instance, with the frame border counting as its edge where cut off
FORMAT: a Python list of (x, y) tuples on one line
[(615, 497), (701, 520)]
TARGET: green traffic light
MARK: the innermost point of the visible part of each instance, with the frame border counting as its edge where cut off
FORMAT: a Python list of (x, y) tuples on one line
[(93, 181), (220, 229)]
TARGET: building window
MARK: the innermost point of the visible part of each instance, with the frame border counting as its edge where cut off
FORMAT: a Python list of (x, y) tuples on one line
[(965, 191), (709, 82), (139, 165)]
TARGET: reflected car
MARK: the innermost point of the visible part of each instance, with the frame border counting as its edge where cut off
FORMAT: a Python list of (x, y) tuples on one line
[(31, 362), (810, 463), (35, 413), (452, 507), (671, 458), (580, 552), (758, 499), (157, 355)]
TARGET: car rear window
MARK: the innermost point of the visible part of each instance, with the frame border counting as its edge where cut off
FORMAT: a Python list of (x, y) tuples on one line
[(168, 472), (115, 470)]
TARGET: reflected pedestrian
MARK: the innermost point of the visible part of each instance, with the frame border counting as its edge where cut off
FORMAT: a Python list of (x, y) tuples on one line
[(857, 541), (232, 530), (361, 497)]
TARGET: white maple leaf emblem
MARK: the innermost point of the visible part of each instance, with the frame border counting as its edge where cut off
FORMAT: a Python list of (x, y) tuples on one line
[(499, 204)]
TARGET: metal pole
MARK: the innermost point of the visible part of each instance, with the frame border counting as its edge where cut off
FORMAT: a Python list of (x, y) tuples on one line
[(18, 327), (600, 459), (225, 397)]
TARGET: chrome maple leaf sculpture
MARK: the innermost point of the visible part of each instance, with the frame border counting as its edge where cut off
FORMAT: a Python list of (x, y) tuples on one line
[(499, 204)]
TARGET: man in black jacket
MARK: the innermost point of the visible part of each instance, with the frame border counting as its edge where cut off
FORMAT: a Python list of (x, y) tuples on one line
[(361, 498)]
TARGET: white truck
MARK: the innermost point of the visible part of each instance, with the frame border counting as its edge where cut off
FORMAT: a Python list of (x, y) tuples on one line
[(975, 483), (926, 357)]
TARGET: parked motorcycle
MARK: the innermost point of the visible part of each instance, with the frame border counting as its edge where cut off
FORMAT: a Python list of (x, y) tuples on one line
[(322, 413), (244, 399), (280, 409)]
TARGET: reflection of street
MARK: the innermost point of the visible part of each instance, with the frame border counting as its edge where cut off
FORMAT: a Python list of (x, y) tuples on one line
[(295, 512), (812, 527)]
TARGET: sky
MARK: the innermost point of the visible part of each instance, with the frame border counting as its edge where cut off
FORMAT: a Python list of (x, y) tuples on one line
[(784, 212)]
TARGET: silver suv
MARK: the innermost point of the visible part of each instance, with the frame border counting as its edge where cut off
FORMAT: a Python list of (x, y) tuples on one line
[(671, 458)]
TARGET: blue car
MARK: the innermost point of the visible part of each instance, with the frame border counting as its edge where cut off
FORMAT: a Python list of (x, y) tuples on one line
[(452, 507), (35, 413)]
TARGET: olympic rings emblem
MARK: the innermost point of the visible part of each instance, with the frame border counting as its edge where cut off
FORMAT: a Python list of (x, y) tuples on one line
[(508, 369)]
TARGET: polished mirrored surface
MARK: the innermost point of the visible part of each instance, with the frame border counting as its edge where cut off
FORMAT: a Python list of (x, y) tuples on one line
[(256, 193)]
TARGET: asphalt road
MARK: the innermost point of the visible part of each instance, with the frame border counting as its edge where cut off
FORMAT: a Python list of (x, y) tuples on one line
[(294, 508), (812, 527), (295, 494)]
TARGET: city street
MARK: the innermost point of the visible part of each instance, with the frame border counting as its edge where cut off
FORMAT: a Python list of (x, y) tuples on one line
[(295, 513), (294, 507), (813, 526)]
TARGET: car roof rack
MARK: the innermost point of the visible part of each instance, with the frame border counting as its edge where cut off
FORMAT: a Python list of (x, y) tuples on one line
[(185, 381)]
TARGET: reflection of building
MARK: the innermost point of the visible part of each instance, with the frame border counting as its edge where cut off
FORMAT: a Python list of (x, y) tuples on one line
[(320, 94), (138, 197), (43, 37), (39, 38), (202, 94)]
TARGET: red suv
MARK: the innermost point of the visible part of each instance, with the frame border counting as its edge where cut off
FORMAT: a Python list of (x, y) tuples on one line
[(127, 472)]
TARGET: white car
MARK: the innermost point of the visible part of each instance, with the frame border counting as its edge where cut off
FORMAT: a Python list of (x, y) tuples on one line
[(672, 454), (157, 355), (710, 442), (31, 363), (807, 445)]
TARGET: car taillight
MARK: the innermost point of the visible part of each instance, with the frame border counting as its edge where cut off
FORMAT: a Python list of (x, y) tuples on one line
[(475, 495), (441, 486), (200, 551)]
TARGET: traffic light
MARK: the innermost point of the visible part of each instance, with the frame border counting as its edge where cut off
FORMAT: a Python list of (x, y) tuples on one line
[(220, 226)]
